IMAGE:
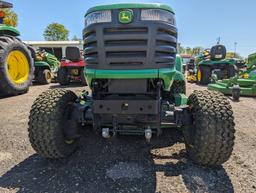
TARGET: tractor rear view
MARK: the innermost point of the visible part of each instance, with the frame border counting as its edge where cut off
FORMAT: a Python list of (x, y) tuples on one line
[(138, 88), (215, 63), (72, 67), (16, 63), (46, 67), (243, 84)]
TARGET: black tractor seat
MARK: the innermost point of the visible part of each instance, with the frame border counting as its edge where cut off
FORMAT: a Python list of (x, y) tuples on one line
[(73, 54)]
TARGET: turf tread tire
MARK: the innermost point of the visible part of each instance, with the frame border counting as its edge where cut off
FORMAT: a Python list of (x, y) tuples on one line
[(210, 140), (46, 121), (178, 87)]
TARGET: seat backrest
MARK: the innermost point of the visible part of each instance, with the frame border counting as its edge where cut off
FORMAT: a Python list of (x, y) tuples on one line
[(73, 53), (218, 52)]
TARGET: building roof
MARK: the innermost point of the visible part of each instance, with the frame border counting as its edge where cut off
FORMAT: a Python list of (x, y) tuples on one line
[(52, 42)]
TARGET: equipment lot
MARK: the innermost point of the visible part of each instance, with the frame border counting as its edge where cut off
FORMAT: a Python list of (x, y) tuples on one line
[(123, 164)]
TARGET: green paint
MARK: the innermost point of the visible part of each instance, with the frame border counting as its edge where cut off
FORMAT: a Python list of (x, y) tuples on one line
[(166, 74), (49, 61), (212, 62), (179, 76), (41, 64), (130, 6), (248, 87), (8, 30), (251, 60), (125, 16), (178, 64), (180, 99)]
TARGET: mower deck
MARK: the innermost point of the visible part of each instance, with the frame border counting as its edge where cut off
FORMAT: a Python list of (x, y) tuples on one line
[(247, 87)]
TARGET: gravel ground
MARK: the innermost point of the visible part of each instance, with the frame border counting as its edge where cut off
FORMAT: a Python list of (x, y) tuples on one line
[(123, 164)]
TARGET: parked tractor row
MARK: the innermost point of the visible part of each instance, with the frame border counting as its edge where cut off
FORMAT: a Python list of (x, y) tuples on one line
[(242, 84), (228, 76), (20, 64), (211, 61), (49, 69)]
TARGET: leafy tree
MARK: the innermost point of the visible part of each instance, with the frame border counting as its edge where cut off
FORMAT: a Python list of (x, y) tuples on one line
[(191, 51), (75, 38), (56, 32), (197, 50), (10, 18), (233, 55)]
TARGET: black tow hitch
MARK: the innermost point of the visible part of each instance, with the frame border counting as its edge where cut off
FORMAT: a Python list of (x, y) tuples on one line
[(183, 116), (78, 114)]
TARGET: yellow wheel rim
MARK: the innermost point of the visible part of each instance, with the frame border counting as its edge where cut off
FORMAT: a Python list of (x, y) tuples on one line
[(199, 75), (246, 76), (17, 67), (48, 76)]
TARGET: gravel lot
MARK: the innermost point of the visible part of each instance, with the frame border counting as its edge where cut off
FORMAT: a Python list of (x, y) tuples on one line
[(123, 164)]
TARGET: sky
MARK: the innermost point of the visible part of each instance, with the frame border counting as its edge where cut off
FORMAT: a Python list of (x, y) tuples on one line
[(200, 22)]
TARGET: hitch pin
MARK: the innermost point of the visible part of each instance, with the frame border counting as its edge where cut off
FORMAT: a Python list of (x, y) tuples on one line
[(148, 134)]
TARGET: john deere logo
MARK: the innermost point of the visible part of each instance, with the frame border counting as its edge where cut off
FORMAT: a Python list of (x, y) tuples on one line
[(125, 16)]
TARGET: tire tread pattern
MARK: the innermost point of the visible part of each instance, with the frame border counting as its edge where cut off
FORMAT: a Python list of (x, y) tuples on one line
[(46, 121), (212, 136)]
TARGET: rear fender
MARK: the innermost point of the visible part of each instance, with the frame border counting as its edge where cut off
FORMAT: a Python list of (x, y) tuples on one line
[(179, 75), (41, 64), (8, 30), (66, 63)]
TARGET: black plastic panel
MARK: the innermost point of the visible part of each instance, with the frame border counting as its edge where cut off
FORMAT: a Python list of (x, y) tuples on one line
[(125, 107), (138, 45)]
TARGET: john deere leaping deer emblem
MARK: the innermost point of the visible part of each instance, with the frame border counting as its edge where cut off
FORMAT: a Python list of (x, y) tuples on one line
[(125, 16)]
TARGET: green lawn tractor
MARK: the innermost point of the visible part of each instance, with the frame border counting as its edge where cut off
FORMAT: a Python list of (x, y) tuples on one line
[(137, 88), (243, 84), (215, 63), (46, 67), (16, 63)]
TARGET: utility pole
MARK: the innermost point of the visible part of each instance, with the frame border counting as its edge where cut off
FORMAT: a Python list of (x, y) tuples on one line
[(235, 49), (218, 40)]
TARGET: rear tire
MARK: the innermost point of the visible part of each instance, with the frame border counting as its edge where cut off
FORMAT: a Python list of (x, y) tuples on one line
[(62, 76), (205, 76), (47, 121), (231, 71), (9, 83), (44, 76), (210, 140)]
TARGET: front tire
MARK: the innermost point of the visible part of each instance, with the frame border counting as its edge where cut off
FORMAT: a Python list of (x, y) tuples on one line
[(210, 139), (62, 76), (178, 87), (47, 121), (82, 76)]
